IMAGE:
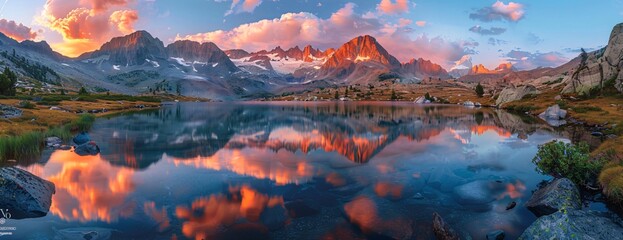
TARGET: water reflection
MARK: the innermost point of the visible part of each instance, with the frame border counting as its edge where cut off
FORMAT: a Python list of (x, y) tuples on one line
[(280, 170)]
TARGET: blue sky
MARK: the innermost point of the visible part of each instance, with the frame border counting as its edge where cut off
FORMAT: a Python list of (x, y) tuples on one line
[(546, 33)]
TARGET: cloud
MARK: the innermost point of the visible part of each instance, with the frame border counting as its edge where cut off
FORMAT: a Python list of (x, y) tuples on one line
[(387, 7), (483, 31), (526, 60), (16, 31), (300, 29), (420, 23), (496, 42), (85, 25), (511, 12), (534, 39), (124, 19), (238, 6)]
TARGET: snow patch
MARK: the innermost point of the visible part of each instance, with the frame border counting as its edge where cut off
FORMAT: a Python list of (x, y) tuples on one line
[(154, 63), (65, 64), (180, 61), (116, 67), (361, 58)]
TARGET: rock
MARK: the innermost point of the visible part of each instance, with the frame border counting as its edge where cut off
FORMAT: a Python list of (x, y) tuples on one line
[(510, 94), (56, 108), (442, 230), (468, 104), (560, 193), (52, 141), (557, 97), (554, 115), (420, 100), (575, 224), (511, 205), (89, 148), (479, 192), (477, 104), (496, 235), (64, 147), (81, 138), (597, 134), (9, 111), (24, 194)]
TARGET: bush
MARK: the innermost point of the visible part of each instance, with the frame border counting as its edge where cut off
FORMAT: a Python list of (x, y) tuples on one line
[(611, 179), (561, 159), (27, 105)]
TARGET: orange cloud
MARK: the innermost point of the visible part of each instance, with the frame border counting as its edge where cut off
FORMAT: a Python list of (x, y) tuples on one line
[(16, 31), (124, 19), (387, 7), (420, 23), (85, 25)]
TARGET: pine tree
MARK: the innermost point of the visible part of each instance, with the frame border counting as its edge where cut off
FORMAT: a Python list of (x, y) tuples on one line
[(337, 94), (83, 91), (480, 90), (394, 96)]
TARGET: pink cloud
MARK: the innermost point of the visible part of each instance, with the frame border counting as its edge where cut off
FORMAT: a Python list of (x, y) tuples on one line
[(16, 31), (388, 7), (238, 6), (300, 29), (420, 23), (499, 11)]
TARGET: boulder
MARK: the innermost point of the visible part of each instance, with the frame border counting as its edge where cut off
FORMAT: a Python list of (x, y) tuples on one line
[(496, 235), (81, 138), (468, 103), (510, 94), (24, 194), (53, 141), (86, 149), (575, 224), (442, 230), (560, 193), (420, 100), (554, 115), (9, 111)]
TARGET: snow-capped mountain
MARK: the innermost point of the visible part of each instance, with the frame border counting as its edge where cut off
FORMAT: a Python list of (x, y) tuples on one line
[(461, 67)]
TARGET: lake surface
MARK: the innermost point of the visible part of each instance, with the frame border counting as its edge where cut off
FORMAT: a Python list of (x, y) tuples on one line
[(295, 171)]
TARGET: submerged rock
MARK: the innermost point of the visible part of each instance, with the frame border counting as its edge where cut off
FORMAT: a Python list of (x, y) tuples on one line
[(24, 194), (575, 224), (86, 149), (442, 230), (81, 138), (85, 233), (559, 194), (496, 235)]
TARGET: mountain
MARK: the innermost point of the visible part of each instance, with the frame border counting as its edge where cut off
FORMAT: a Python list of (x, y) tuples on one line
[(422, 69), (461, 67), (206, 56), (135, 49), (361, 58), (480, 69), (505, 67), (293, 61)]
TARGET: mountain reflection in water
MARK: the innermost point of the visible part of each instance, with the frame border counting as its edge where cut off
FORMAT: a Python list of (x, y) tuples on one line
[(297, 170)]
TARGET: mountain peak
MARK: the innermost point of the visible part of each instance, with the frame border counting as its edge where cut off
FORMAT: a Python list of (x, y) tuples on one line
[(131, 49), (361, 49)]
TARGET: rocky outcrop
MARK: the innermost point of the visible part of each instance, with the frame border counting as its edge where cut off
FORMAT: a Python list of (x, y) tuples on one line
[(560, 193), (442, 230), (510, 94), (575, 224), (237, 53), (24, 194), (87, 149), (554, 116), (81, 138), (600, 68)]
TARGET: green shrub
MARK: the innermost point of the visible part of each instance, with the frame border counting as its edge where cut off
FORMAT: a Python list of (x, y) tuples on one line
[(27, 105), (561, 159), (25, 146), (585, 109), (480, 90)]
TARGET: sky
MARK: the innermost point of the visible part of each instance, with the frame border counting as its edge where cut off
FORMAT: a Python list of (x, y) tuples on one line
[(527, 33)]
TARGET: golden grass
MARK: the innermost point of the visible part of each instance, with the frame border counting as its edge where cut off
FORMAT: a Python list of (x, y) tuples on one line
[(41, 118)]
